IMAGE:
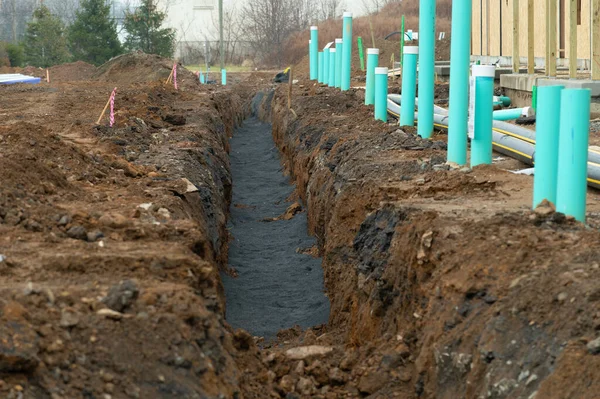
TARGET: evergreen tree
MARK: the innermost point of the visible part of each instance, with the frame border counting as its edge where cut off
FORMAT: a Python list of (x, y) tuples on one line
[(93, 36), (45, 41), (144, 31)]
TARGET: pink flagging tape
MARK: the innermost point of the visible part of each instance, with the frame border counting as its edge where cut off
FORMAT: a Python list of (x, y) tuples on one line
[(175, 76), (112, 107)]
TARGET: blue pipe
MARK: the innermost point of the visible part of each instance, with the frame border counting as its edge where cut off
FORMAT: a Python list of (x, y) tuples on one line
[(372, 63), (314, 50), (571, 188), (381, 92), (320, 67), (481, 145), (346, 51), (224, 77), (426, 67), (332, 58), (338, 62), (460, 53), (326, 65), (546, 144), (409, 85)]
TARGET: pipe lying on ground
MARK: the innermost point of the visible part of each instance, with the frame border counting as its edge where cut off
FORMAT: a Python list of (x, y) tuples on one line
[(512, 114), (511, 140)]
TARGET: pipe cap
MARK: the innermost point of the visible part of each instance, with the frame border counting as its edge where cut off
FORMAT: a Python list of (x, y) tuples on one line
[(484, 71), (332, 50), (372, 51), (381, 71), (310, 41), (314, 28), (347, 14), (338, 40), (411, 49)]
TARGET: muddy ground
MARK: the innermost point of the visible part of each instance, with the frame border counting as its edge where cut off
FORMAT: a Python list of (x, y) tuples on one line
[(442, 283)]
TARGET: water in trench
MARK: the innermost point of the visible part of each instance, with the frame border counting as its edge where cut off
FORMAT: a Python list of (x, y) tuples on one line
[(276, 287)]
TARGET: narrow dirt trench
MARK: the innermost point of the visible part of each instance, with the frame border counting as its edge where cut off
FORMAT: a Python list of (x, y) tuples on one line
[(279, 284)]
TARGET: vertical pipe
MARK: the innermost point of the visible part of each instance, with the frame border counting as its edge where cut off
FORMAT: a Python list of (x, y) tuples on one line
[(224, 77), (530, 38), (372, 63), (402, 27), (534, 96), (314, 50), (481, 145), (332, 58), (409, 86), (460, 53), (346, 51), (573, 140), (546, 145), (381, 92), (338, 62), (320, 67), (361, 53), (202, 81), (426, 67), (326, 65)]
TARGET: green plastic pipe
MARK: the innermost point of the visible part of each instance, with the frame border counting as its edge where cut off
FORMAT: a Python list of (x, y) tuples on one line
[(224, 77), (546, 145), (332, 58), (326, 65), (381, 92), (512, 114), (346, 51), (460, 53), (573, 140), (534, 100), (320, 67), (426, 67), (361, 53), (202, 81), (338, 62), (372, 63), (314, 50), (402, 42), (409, 86), (481, 145)]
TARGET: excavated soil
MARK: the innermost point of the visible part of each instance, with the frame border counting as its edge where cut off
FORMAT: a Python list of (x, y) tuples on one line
[(442, 283)]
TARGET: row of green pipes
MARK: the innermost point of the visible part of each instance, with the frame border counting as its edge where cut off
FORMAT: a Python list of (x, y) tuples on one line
[(204, 78)]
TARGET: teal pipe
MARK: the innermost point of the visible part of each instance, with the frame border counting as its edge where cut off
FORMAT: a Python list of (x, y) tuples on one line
[(314, 50), (481, 145), (460, 53), (426, 67), (338, 62), (512, 114), (332, 58), (320, 67), (546, 144), (202, 78), (381, 92), (573, 140), (326, 65), (224, 77), (504, 101), (346, 51), (409, 86), (372, 63)]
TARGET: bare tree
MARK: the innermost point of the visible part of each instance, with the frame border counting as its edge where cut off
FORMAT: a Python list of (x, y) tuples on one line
[(232, 31), (374, 6), (64, 9), (268, 23), (330, 9)]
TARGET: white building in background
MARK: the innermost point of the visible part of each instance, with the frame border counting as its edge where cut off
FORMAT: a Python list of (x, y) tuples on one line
[(197, 25)]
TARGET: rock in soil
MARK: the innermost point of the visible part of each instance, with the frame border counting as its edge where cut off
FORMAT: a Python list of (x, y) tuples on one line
[(121, 296)]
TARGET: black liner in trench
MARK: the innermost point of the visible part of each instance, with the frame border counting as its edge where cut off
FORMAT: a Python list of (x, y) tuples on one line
[(276, 287)]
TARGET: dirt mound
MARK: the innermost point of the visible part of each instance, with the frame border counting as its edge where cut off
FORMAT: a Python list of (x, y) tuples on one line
[(74, 71), (139, 67)]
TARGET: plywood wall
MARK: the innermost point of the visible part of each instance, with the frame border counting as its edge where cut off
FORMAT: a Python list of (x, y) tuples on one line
[(488, 35)]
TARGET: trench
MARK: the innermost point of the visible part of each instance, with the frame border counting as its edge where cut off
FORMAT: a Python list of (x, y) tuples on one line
[(276, 286)]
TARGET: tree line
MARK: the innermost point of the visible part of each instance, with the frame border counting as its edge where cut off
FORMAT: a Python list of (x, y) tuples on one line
[(89, 35)]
